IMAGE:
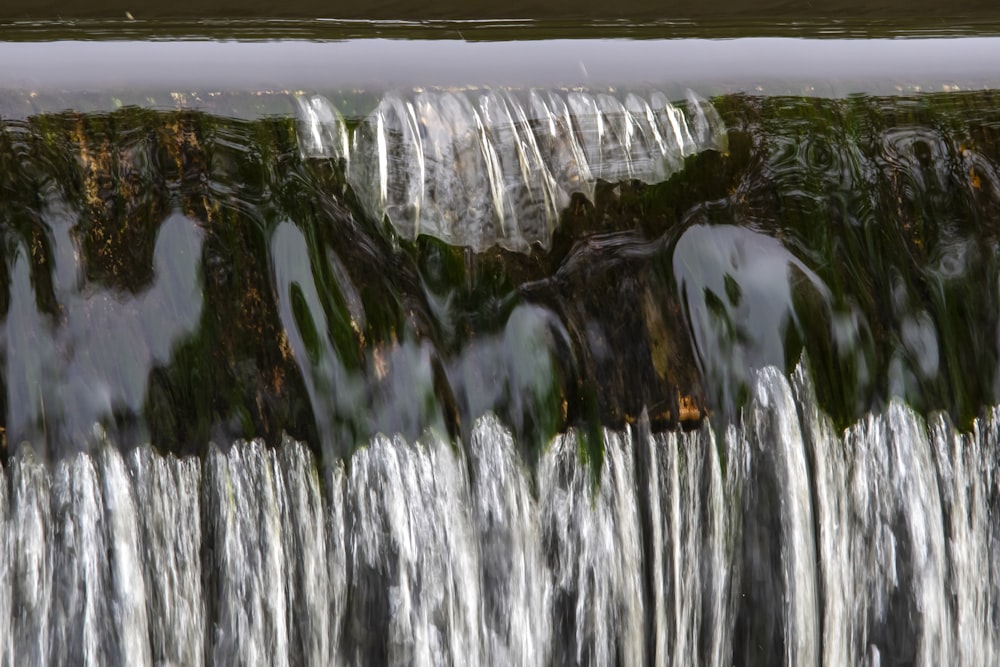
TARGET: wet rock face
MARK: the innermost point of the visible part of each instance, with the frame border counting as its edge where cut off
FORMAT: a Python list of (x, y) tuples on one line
[(137, 288), (629, 342), (183, 278)]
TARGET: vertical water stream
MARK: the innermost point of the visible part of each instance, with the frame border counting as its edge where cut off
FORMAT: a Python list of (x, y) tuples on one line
[(783, 542)]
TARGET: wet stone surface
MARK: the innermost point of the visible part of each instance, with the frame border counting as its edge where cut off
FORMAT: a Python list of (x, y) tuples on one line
[(183, 278)]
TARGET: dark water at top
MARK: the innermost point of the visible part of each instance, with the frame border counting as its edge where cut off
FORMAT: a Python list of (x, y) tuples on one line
[(632, 10)]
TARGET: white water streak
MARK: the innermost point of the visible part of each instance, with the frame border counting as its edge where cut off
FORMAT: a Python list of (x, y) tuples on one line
[(336, 559), (412, 504), (305, 541), (774, 429), (966, 486), (498, 167), (129, 621), (30, 543), (168, 499), (248, 571), (6, 579), (598, 550), (886, 545), (516, 580), (79, 599), (691, 569)]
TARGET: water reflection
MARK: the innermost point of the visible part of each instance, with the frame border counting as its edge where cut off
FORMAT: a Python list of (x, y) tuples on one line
[(333, 393), (254, 78), (186, 277), (739, 289), (62, 375), (891, 200)]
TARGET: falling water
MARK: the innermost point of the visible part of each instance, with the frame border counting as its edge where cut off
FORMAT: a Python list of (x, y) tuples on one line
[(782, 542), (596, 449), (497, 167)]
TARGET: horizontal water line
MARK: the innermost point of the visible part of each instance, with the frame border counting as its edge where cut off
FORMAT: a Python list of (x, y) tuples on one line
[(129, 72), (557, 26), (414, 10)]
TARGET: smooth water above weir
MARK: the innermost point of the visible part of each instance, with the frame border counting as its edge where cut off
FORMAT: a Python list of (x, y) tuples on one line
[(780, 542), (105, 68)]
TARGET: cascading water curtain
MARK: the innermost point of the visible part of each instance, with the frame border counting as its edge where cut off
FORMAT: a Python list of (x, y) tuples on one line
[(783, 536), (354, 390)]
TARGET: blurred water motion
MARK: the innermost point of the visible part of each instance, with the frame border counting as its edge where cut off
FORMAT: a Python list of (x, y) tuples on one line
[(92, 357), (183, 277), (598, 374), (779, 542), (491, 169)]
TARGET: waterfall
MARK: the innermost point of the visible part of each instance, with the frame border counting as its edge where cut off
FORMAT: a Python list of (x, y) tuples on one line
[(496, 167), (596, 449), (780, 540)]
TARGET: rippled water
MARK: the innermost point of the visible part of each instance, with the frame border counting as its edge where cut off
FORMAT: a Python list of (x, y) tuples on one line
[(181, 277)]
